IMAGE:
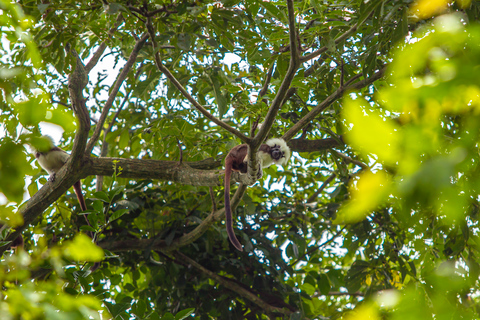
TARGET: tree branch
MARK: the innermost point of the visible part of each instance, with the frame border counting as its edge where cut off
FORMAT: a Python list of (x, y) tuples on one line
[(155, 169), (184, 92), (342, 37), (113, 93), (329, 100), (77, 81), (101, 48), (304, 145), (315, 248), (325, 183), (349, 159), (282, 91), (232, 285), (186, 239)]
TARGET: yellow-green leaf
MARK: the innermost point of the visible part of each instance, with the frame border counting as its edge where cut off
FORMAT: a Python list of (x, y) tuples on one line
[(368, 193), (81, 248), (370, 132)]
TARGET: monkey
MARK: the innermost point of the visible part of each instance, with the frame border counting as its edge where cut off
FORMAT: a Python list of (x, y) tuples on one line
[(52, 160), (272, 151)]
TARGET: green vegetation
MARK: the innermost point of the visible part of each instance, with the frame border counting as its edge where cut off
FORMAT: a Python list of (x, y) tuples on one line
[(376, 215)]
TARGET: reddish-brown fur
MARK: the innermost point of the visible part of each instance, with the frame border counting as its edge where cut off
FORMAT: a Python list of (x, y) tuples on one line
[(235, 161)]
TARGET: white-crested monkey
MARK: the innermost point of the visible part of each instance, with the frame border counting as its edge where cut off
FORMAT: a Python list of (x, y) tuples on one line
[(272, 151)]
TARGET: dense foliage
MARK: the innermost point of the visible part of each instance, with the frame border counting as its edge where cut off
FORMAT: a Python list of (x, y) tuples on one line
[(375, 216)]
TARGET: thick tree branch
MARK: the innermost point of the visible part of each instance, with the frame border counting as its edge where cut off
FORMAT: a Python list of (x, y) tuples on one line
[(303, 145), (329, 100), (232, 285), (76, 83), (154, 169), (73, 169), (118, 83), (41, 200), (253, 167)]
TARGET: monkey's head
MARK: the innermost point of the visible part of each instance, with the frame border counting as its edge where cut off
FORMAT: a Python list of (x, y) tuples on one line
[(279, 151)]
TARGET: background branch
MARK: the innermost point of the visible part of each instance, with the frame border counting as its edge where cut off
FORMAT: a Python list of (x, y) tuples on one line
[(122, 76), (329, 100)]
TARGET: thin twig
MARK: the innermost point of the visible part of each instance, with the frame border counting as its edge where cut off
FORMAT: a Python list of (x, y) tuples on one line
[(348, 159), (325, 183), (267, 82), (315, 248), (212, 198), (101, 48), (184, 92), (329, 100), (341, 38)]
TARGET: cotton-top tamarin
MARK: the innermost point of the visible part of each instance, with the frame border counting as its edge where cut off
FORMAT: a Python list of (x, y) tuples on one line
[(52, 160), (272, 151)]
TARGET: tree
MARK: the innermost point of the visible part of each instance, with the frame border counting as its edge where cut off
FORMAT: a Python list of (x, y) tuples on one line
[(377, 211)]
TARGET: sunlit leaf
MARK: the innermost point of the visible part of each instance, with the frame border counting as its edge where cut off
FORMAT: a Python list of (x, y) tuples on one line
[(427, 8), (364, 312), (81, 248), (367, 194), (371, 133)]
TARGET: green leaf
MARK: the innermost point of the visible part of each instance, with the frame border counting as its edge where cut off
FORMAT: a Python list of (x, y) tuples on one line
[(81, 248), (219, 98), (323, 284), (184, 313), (371, 133), (371, 190), (118, 213), (183, 41), (101, 195), (114, 8)]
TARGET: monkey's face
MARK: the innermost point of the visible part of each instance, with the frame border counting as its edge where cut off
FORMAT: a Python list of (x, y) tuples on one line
[(277, 153)]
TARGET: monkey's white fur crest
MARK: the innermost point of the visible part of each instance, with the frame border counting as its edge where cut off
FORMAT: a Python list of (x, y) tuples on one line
[(267, 159)]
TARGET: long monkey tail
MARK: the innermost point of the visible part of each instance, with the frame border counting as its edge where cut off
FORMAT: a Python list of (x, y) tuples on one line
[(77, 187), (228, 209)]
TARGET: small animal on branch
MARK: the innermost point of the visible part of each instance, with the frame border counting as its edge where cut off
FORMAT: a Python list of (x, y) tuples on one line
[(273, 151), (52, 159)]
